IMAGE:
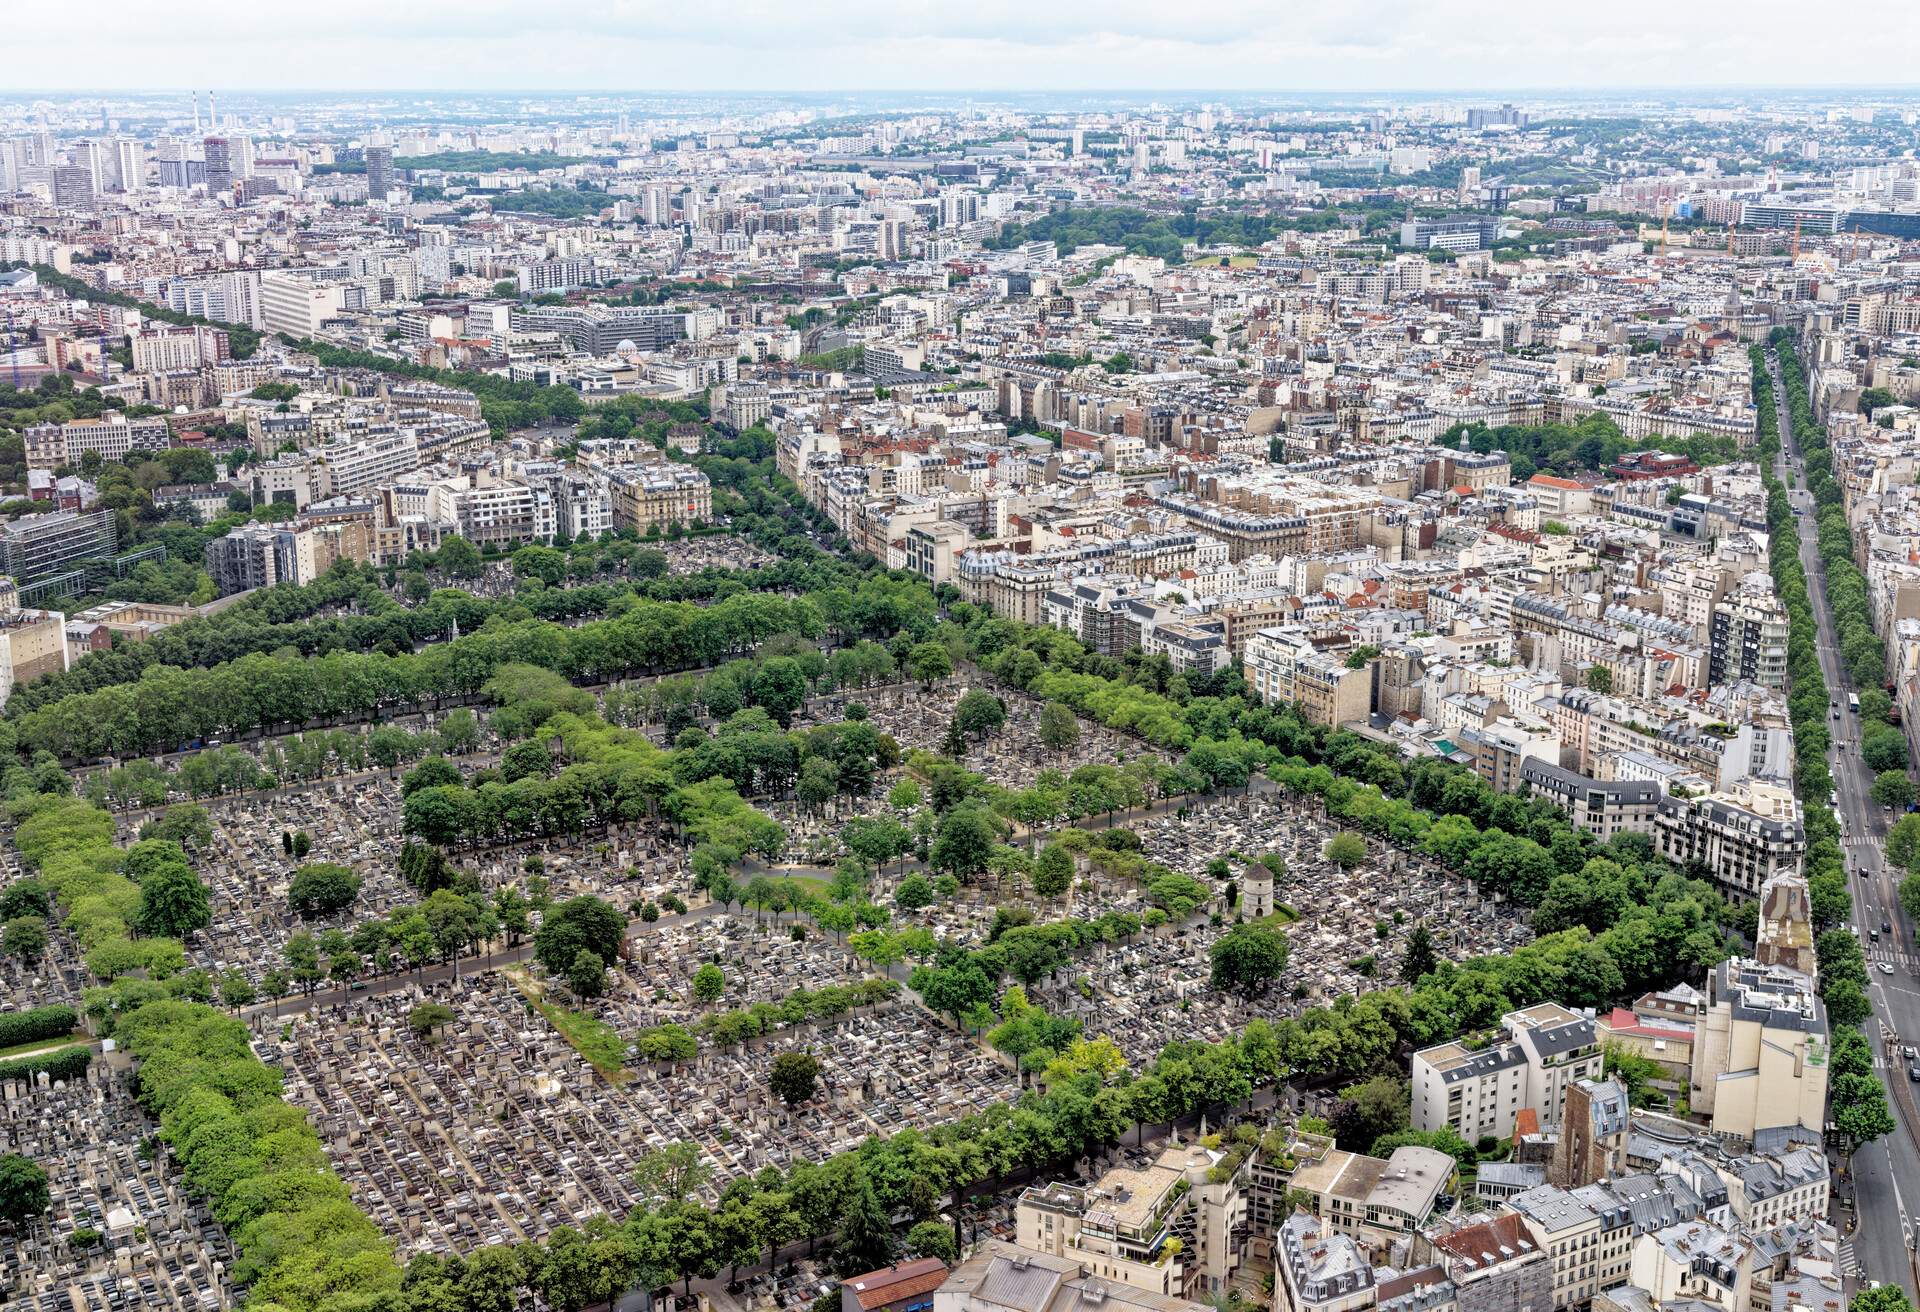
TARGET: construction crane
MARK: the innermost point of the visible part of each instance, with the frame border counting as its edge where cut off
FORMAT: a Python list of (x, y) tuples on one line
[(1796, 238), (1729, 239), (1665, 207), (1854, 254)]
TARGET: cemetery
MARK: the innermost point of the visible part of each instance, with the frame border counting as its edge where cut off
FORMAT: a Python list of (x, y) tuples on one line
[(122, 1231), (1347, 927), (492, 1128)]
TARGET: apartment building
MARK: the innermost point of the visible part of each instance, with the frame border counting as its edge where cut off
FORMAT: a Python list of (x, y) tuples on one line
[(298, 306), (1482, 1092), (113, 436), (1748, 638), (33, 644), (1603, 808), (486, 509), (1761, 1056), (260, 556), (1569, 1232), (1318, 1269), (658, 494), (1496, 1266), (1284, 665), (1001, 1277), (1121, 1226), (1740, 838)]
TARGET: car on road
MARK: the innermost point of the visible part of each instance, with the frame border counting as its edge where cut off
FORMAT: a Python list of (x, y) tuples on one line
[(1913, 1073), (1886, 926), (1909, 1053), (1886, 968)]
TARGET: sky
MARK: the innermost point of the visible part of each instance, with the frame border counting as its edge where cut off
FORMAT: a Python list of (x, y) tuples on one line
[(989, 45)]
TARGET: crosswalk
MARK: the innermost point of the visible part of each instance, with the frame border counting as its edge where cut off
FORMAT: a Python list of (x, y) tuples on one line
[(1904, 961), (1848, 1263)]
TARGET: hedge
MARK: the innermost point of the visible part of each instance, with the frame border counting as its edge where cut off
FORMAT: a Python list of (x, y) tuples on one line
[(19, 1027)]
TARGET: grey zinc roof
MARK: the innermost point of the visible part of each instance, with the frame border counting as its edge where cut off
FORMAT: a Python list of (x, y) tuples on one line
[(1028, 1287), (1552, 1040), (1500, 1057)]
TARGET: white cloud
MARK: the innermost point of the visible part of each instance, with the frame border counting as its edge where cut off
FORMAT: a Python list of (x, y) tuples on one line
[(642, 45)]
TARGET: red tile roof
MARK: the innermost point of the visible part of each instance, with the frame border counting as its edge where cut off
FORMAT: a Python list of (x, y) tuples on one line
[(893, 1283)]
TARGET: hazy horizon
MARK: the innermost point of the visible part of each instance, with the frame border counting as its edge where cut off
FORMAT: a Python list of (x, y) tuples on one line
[(646, 47)]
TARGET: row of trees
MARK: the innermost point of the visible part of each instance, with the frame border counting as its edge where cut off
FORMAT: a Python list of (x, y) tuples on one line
[(1807, 696)]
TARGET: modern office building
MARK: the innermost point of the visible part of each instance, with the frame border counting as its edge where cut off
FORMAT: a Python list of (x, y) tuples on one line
[(40, 544)]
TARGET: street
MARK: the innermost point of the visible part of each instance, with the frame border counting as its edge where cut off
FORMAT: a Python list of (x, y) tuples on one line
[(1881, 1245)]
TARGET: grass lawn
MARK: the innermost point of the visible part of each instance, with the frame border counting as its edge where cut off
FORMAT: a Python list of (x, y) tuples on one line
[(40, 1045), (591, 1037)]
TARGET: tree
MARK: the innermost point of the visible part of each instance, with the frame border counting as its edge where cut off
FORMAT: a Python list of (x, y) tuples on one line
[(1052, 871), (905, 795), (1373, 1108), (794, 1077), (25, 937), (1599, 679), (236, 990), (579, 922), (1247, 959), (979, 713), (671, 1174), (709, 982), (1846, 1003), (1892, 788), (914, 893), (23, 1190), (587, 975), (965, 842), (1445, 1139), (492, 1280), (1860, 1108), (933, 1239), (25, 897), (459, 558), (510, 905), (322, 889), (1634, 1072), (434, 772), (1882, 1298), (173, 902), (1059, 728), (1346, 850), (929, 663), (955, 990), (1420, 958), (427, 1017), (866, 1233)]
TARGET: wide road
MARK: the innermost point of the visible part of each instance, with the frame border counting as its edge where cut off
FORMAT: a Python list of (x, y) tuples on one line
[(1886, 1173)]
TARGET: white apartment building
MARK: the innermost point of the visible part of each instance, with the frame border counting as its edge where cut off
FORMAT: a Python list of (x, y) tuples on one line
[(297, 306), (1479, 1093)]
